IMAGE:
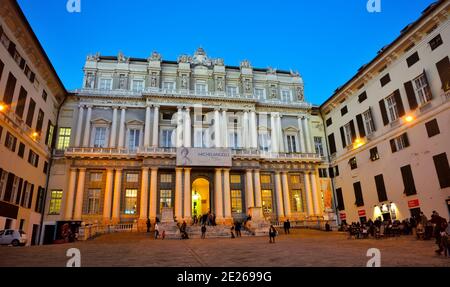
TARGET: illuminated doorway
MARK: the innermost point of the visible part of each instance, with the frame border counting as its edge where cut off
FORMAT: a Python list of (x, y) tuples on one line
[(200, 197)]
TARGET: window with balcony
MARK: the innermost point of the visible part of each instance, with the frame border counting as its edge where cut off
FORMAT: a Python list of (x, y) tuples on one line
[(100, 137), (233, 140), (134, 139), (232, 91), (201, 88), (260, 93), (169, 86), (348, 134), (105, 84), (166, 138), (138, 85), (63, 138), (263, 140), (286, 96), (201, 138), (318, 144), (422, 89), (291, 141)]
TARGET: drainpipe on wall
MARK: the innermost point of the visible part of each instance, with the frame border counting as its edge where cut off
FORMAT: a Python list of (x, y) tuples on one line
[(338, 219), (52, 150)]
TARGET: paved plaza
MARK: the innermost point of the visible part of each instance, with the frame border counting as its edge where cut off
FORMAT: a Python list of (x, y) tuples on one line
[(300, 248)]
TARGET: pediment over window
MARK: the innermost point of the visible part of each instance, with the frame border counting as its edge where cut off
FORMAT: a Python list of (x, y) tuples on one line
[(100, 121), (263, 129), (135, 123), (290, 129)]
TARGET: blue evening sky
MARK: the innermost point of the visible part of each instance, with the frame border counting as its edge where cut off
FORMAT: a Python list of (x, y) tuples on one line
[(326, 41)]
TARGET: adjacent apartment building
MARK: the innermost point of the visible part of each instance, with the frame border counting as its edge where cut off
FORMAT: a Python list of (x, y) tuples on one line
[(30, 94), (388, 127), (194, 135)]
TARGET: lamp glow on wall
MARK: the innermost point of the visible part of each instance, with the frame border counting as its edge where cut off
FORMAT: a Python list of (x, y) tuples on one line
[(358, 143), (2, 107), (409, 118)]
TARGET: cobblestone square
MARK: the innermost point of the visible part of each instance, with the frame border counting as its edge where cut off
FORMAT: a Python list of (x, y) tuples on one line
[(302, 248)]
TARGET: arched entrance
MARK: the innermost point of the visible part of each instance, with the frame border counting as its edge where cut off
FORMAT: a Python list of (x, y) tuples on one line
[(200, 197)]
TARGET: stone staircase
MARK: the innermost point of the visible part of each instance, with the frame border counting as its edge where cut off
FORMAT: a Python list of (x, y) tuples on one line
[(218, 231)]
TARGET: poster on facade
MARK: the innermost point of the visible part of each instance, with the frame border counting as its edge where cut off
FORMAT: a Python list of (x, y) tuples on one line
[(217, 157), (325, 186)]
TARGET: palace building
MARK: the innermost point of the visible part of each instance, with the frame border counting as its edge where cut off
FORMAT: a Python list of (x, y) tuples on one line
[(194, 135), (388, 127), (30, 94)]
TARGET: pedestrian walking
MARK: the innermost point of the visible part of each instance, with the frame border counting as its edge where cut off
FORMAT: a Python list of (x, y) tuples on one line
[(203, 231), (272, 234), (238, 229), (287, 226), (156, 230), (232, 232)]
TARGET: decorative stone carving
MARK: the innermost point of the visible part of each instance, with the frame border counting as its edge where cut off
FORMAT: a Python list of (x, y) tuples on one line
[(295, 73), (184, 59), (155, 56), (271, 71), (273, 92), (90, 81), (219, 62), (247, 86), (300, 94), (153, 80), (121, 58), (122, 82), (219, 86), (95, 57), (245, 64), (184, 82)]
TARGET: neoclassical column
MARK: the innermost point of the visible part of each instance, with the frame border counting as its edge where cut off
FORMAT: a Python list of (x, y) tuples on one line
[(226, 193), (218, 196), (147, 127), (301, 135), (143, 210), (307, 134), (179, 129), (187, 128), (253, 130), (116, 198), (108, 194), (257, 186), (122, 128), (245, 131), (112, 137), (178, 193), (225, 128), (286, 197), (309, 199), (153, 192), (315, 193), (155, 126), (87, 127), (80, 193), (217, 127), (71, 193), (273, 133), (278, 194), (249, 189), (187, 194), (79, 126), (280, 134)]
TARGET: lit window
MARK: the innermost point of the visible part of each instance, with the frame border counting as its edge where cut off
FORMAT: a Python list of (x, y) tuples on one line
[(63, 138), (165, 198), (55, 202), (236, 201), (130, 201), (296, 200), (295, 179), (266, 178), (266, 197), (235, 178), (353, 163)]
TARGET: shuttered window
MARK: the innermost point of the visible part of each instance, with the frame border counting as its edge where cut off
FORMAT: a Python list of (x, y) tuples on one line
[(398, 101), (21, 102), (442, 169), (360, 123), (362, 97), (340, 199), (344, 110), (9, 90), (332, 143), (359, 201), (432, 128), (443, 67), (408, 180), (30, 114), (381, 189), (435, 42), (329, 122), (343, 137), (411, 95), (384, 115)]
